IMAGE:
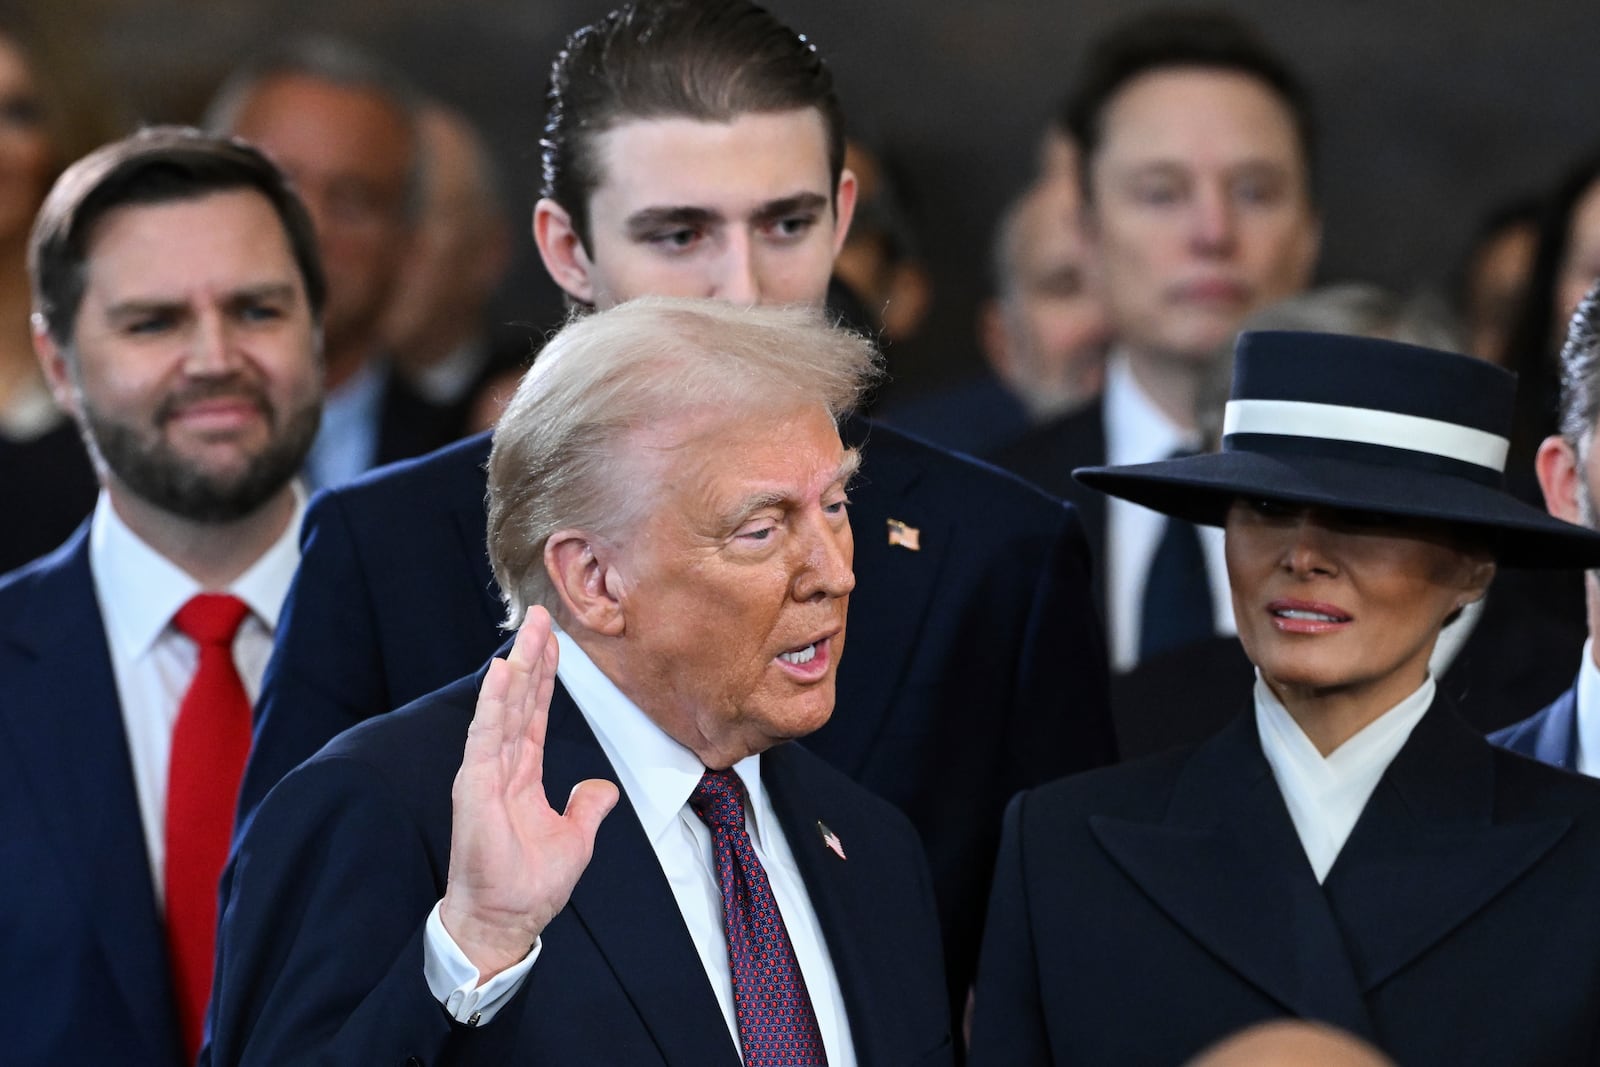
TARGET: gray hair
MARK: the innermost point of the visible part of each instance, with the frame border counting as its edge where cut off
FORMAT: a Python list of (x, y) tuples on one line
[(1580, 375), (1357, 309), (564, 453), (324, 59)]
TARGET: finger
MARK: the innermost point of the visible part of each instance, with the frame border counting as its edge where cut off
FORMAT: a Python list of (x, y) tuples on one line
[(488, 718), (591, 800)]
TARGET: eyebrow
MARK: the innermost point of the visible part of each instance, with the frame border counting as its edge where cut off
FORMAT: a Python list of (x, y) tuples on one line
[(648, 220), (776, 499)]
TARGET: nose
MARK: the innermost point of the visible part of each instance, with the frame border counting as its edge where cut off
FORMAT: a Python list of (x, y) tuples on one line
[(210, 349), (738, 280), (1214, 224), (1307, 550), (825, 570)]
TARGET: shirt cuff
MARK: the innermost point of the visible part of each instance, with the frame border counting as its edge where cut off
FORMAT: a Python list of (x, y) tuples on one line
[(453, 980)]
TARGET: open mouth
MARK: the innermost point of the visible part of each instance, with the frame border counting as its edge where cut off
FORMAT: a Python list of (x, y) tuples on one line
[(1308, 616), (800, 656)]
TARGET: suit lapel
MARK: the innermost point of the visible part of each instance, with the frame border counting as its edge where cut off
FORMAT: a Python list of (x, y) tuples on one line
[(1426, 854), (65, 720), (893, 587), (624, 902), (840, 893), (1227, 866)]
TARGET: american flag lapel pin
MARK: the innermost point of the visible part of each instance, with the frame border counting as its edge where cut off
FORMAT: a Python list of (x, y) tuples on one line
[(830, 839), (904, 535)]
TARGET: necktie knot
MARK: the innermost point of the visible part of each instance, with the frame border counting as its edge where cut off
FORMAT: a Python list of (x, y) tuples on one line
[(719, 801), (211, 619)]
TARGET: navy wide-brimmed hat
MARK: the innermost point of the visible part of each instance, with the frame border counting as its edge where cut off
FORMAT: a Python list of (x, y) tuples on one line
[(1359, 424)]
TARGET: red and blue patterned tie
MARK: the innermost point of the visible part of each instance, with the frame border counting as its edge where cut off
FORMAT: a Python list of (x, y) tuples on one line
[(777, 1027)]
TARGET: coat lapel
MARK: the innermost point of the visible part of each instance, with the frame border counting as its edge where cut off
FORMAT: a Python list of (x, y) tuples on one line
[(64, 719), (1426, 854), (1227, 866), (624, 902), (894, 585), (841, 893)]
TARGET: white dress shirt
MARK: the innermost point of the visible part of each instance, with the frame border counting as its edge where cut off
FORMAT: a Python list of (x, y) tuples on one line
[(657, 775), (1325, 795), (139, 591), (346, 445), (1588, 714), (1137, 431)]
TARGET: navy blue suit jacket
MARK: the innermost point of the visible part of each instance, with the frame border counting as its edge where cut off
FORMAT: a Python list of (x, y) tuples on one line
[(1549, 735), (1142, 912), (974, 666), (83, 960), (320, 951)]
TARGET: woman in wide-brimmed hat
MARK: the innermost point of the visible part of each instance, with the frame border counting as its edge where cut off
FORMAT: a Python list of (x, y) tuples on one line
[(1348, 850)]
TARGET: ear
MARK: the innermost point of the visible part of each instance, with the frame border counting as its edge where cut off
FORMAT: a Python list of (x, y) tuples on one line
[(1557, 467), (590, 589), (564, 256), (53, 361), (1480, 573), (844, 207)]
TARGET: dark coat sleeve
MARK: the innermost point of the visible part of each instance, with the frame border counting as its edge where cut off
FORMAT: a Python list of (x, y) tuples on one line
[(320, 956)]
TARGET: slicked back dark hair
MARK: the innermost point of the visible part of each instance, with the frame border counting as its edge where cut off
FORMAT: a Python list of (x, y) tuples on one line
[(1168, 40), (158, 165), (709, 60)]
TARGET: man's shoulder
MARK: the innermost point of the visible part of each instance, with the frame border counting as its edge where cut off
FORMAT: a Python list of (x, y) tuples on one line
[(1525, 736), (42, 581), (897, 461), (450, 474)]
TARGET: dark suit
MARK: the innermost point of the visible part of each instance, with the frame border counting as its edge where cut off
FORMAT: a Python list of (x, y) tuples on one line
[(1047, 456), (974, 666), (1142, 912), (320, 950), (410, 425), (1549, 735), (83, 962)]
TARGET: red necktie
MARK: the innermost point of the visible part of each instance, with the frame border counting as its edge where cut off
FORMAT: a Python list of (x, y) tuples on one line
[(777, 1026), (209, 744)]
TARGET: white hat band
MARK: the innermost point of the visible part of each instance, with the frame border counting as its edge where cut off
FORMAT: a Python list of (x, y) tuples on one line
[(1297, 418)]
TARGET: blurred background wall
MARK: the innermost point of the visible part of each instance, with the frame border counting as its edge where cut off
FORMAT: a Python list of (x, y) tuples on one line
[(1430, 113)]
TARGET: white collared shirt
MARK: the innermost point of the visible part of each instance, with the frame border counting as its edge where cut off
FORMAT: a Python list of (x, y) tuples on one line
[(346, 445), (658, 775), (1325, 795), (1137, 431), (1587, 713), (139, 591)]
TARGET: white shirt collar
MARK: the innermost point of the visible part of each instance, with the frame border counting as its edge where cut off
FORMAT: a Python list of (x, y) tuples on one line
[(1326, 795), (140, 590), (1588, 713), (658, 774), (1137, 431)]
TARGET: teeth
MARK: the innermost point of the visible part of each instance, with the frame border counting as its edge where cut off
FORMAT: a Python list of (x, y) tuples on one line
[(805, 655), (1315, 616)]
